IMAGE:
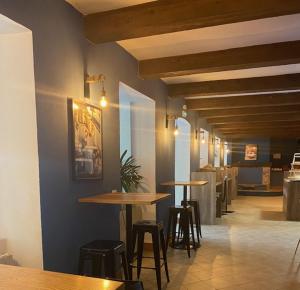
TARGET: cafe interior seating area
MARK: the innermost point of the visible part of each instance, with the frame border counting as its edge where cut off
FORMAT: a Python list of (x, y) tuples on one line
[(150, 145)]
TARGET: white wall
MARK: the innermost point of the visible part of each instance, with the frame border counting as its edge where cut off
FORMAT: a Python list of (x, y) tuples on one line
[(182, 156), (141, 121), (217, 150), (204, 145), (20, 216), (125, 124)]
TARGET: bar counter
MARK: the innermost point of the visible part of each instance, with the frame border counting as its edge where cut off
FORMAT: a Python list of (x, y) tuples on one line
[(291, 198)]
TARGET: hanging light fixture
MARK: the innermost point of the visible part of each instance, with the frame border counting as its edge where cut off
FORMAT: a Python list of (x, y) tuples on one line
[(103, 100), (99, 78)]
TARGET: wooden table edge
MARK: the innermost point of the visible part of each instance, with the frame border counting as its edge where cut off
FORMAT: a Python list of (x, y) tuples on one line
[(91, 200)]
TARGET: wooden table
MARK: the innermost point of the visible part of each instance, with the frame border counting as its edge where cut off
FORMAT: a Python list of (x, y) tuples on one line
[(18, 278), (127, 199), (185, 185)]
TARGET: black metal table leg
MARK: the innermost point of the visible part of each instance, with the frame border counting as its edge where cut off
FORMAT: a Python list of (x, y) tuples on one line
[(185, 194), (129, 237)]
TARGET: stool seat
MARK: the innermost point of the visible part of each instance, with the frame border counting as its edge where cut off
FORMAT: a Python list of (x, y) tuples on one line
[(103, 246), (106, 257), (148, 225)]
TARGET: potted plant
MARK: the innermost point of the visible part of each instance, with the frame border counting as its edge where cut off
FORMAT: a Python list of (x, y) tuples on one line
[(129, 171), (130, 181)]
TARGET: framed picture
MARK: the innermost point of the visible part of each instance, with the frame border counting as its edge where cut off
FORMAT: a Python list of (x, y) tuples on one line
[(251, 152), (276, 155), (87, 141)]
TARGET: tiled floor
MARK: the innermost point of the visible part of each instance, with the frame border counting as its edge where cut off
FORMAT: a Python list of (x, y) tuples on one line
[(250, 249)]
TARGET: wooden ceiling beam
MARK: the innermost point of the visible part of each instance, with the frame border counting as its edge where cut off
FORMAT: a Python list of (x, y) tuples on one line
[(244, 101), (274, 54), (249, 111), (266, 128), (236, 86), (267, 124), (159, 17), (262, 130), (258, 118), (295, 135)]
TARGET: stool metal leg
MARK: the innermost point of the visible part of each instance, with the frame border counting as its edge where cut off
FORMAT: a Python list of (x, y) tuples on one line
[(297, 247), (125, 265), (140, 250), (163, 247), (174, 225), (156, 251), (169, 230), (192, 230), (186, 233)]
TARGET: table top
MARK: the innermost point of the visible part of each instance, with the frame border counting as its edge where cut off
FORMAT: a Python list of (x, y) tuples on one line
[(185, 183), (19, 278), (125, 198)]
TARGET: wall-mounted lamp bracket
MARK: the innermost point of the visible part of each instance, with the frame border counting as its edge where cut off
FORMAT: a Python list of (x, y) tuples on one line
[(170, 117)]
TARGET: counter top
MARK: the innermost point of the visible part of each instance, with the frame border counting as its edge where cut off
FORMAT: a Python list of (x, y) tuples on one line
[(292, 179)]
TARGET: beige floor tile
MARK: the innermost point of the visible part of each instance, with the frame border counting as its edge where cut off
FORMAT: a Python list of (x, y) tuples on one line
[(250, 249)]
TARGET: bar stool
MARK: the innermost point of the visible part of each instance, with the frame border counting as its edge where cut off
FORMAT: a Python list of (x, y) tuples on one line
[(105, 257), (297, 247), (131, 285), (197, 217), (185, 225), (158, 240)]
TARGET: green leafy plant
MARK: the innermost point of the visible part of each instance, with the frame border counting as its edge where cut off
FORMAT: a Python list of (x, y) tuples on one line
[(130, 177)]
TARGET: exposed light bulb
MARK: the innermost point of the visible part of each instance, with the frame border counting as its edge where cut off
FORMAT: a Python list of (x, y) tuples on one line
[(75, 106), (227, 151), (203, 141), (103, 102), (176, 132)]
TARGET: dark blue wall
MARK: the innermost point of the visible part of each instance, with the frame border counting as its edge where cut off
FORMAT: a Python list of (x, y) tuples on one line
[(238, 150), (248, 175), (62, 56)]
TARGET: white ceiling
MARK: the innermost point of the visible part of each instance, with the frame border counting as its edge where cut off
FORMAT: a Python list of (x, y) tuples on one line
[(93, 6), (268, 30), (236, 74), (8, 26)]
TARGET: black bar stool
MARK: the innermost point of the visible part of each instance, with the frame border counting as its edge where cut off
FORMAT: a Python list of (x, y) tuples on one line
[(297, 247), (197, 217), (158, 240), (185, 214), (131, 285), (106, 257)]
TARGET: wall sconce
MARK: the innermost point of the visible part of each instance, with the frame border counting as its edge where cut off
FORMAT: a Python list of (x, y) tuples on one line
[(99, 78), (172, 117), (216, 141)]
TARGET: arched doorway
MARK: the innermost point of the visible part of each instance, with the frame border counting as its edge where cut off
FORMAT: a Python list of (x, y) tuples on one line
[(182, 156)]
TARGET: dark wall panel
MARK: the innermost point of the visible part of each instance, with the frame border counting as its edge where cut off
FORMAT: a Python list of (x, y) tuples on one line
[(61, 56)]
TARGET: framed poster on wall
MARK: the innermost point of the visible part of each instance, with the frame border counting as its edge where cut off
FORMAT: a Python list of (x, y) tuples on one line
[(87, 141), (251, 152)]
